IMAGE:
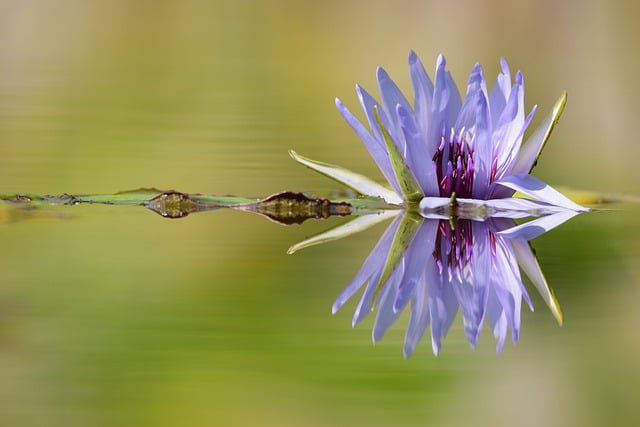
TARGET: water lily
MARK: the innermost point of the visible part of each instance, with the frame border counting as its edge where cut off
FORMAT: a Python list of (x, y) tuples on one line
[(444, 146), (436, 267)]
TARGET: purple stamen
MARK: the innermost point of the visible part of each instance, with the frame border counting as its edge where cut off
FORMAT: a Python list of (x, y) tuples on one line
[(454, 164), (453, 249)]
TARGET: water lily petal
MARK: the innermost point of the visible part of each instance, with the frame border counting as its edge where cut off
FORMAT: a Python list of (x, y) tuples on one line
[(454, 99), (423, 98), (468, 111), (386, 314), (507, 283), (375, 147), (421, 244), (440, 119), (392, 97), (372, 264), (536, 227), (529, 264), (425, 172), (356, 225), (429, 203), (508, 130), (532, 148), (359, 183), (368, 104), (483, 148), (497, 319), (443, 307), (407, 181), (537, 189), (420, 314), (500, 92), (517, 207)]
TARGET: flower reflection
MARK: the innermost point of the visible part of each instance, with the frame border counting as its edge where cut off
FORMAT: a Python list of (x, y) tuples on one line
[(437, 266)]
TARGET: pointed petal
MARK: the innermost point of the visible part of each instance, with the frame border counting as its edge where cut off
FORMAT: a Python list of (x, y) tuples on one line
[(507, 283), (423, 97), (529, 264), (537, 189), (406, 179), (349, 228), (420, 315), (424, 171), (468, 112), (508, 129), (386, 315), (375, 146), (392, 97), (500, 92), (370, 105), (421, 244), (359, 183), (443, 308), (497, 191), (406, 231), (516, 207), (440, 119), (455, 101), (497, 320), (483, 148), (370, 267), (532, 148), (532, 229)]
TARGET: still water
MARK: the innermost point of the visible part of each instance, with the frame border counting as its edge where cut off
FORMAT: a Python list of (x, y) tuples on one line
[(113, 315)]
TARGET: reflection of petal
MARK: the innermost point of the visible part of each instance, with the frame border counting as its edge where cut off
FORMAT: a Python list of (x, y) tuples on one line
[(476, 285), (529, 264), (354, 226), (421, 244), (532, 229), (394, 298), (507, 284), (386, 314), (370, 266), (442, 307)]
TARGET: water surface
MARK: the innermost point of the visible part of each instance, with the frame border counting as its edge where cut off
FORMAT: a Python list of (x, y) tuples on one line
[(112, 315)]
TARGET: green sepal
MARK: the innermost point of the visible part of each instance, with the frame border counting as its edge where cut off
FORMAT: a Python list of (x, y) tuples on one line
[(406, 179), (406, 232), (353, 180)]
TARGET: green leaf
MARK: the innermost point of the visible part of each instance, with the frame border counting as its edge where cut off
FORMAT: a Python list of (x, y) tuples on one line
[(359, 183)]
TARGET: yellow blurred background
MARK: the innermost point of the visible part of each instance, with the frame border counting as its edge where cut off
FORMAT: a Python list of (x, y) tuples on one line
[(115, 316)]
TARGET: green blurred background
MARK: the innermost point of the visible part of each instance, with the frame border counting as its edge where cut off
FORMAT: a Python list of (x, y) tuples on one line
[(115, 316)]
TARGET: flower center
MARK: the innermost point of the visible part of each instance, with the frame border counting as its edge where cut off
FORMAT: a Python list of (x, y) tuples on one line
[(454, 163)]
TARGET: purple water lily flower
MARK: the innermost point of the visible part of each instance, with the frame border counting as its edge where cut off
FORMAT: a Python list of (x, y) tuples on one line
[(474, 266), (443, 145)]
